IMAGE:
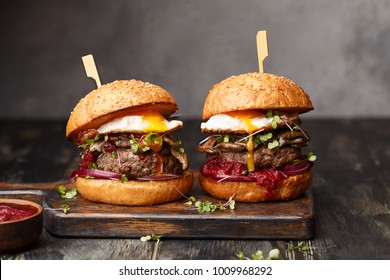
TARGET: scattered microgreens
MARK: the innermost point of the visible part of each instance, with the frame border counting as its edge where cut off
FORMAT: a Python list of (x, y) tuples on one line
[(92, 165), (133, 144), (263, 137), (275, 121), (65, 208), (150, 142), (303, 246), (271, 113), (178, 143), (311, 156), (274, 254), (226, 138), (153, 237), (274, 114), (124, 178), (89, 142), (153, 138), (207, 206), (273, 144), (145, 149), (67, 194)]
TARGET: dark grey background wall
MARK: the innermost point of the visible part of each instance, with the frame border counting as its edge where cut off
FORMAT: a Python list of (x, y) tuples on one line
[(338, 51)]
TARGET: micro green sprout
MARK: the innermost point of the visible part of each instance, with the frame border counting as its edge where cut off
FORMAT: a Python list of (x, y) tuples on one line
[(65, 208), (273, 144), (226, 138), (208, 206), (303, 246), (153, 138), (153, 237), (311, 156), (66, 194), (274, 254), (124, 178), (275, 121)]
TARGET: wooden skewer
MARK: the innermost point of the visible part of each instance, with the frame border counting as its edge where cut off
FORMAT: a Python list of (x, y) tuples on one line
[(90, 69), (262, 48)]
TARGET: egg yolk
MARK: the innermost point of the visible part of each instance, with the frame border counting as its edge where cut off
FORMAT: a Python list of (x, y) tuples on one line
[(246, 117), (155, 121)]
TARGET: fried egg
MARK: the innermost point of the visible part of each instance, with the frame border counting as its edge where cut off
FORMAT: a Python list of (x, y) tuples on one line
[(247, 121), (142, 122)]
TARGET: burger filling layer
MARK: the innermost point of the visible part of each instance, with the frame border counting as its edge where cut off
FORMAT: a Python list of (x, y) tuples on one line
[(136, 146), (264, 149), (129, 156)]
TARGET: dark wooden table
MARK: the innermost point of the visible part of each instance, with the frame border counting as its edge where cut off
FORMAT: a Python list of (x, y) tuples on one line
[(351, 190)]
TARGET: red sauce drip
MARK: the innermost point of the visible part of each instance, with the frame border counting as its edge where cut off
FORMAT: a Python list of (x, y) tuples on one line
[(9, 213)]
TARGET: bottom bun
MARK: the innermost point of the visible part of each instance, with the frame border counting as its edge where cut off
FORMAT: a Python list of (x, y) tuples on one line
[(290, 188), (135, 193)]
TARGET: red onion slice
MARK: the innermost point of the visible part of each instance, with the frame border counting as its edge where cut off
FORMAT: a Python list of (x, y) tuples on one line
[(96, 173), (234, 178), (159, 177), (101, 174), (295, 169)]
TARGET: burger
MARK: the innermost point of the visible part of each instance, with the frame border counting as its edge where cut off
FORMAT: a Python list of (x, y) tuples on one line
[(254, 152), (128, 154)]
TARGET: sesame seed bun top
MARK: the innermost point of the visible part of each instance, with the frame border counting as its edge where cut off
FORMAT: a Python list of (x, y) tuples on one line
[(261, 91), (117, 99)]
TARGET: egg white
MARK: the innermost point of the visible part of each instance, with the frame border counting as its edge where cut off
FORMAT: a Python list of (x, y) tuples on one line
[(223, 122), (135, 123)]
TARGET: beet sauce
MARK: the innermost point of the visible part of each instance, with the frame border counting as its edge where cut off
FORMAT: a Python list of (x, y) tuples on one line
[(218, 169), (9, 212)]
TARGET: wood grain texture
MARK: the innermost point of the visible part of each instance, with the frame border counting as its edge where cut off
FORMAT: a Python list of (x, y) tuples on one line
[(51, 248), (293, 219), (350, 188)]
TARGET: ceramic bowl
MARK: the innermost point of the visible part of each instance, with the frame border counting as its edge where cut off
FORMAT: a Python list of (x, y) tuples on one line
[(19, 233)]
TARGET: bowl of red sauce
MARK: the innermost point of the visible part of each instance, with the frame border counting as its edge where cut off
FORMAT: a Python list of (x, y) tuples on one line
[(21, 223)]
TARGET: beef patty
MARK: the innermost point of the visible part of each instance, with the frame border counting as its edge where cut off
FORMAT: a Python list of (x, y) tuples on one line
[(139, 165), (289, 149)]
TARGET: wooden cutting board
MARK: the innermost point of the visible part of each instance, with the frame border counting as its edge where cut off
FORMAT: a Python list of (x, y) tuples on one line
[(273, 220)]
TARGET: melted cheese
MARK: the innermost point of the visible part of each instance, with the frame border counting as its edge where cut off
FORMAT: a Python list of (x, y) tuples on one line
[(142, 122)]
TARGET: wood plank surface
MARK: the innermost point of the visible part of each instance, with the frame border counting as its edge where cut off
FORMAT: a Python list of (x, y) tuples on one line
[(350, 189), (274, 220)]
